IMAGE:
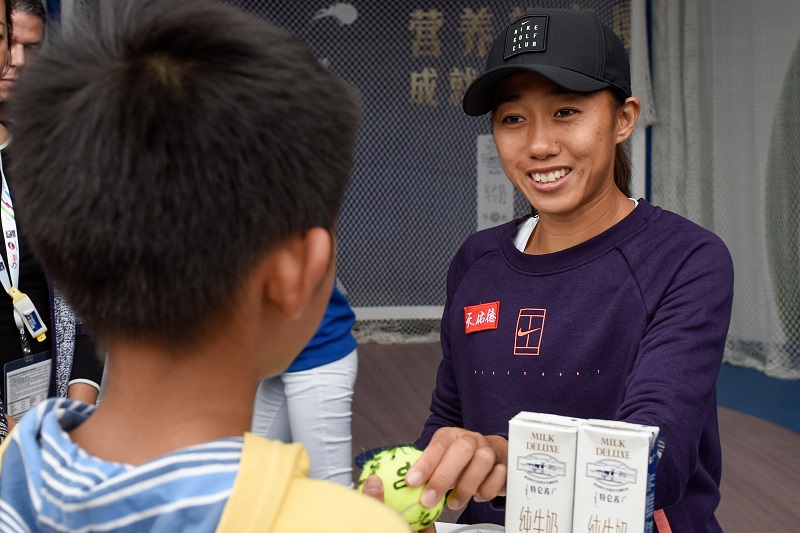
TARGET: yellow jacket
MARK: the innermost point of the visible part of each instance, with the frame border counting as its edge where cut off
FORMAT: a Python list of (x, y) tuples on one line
[(272, 494)]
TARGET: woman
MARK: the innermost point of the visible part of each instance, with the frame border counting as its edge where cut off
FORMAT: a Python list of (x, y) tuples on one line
[(602, 306)]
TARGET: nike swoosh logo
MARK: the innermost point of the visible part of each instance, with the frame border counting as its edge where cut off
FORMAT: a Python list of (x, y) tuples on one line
[(521, 333)]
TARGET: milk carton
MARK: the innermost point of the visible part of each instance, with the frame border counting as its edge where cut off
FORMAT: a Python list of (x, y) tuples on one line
[(615, 477), (541, 472)]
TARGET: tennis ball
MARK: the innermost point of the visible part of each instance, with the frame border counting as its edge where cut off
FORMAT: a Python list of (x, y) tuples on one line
[(391, 466)]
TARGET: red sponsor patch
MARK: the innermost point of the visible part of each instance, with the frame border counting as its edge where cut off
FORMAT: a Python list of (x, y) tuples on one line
[(481, 317)]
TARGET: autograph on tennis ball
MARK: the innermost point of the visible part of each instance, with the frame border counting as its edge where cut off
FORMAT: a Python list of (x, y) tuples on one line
[(391, 466)]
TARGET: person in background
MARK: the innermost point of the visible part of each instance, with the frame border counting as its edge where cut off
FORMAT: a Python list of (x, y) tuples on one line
[(28, 18), (311, 403), (76, 370), (598, 305), (183, 196)]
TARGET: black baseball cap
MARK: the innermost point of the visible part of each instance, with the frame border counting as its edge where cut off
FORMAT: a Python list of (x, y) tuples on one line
[(572, 49)]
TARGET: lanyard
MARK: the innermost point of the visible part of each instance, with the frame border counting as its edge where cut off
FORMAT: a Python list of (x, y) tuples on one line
[(25, 313), (10, 238)]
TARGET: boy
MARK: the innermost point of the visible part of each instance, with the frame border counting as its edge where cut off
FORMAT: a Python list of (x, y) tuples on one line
[(181, 167)]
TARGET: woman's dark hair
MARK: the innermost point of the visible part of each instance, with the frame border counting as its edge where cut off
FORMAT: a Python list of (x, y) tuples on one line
[(622, 163)]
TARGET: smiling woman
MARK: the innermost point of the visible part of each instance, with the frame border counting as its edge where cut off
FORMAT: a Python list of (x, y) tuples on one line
[(603, 306), (558, 149)]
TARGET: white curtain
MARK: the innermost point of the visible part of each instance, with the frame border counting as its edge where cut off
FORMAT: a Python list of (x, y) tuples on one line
[(726, 154)]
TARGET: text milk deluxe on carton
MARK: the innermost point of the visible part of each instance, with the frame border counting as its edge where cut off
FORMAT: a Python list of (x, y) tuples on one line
[(615, 477), (541, 472)]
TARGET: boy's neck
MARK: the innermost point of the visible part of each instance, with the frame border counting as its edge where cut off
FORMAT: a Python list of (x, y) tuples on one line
[(157, 400), (160, 397)]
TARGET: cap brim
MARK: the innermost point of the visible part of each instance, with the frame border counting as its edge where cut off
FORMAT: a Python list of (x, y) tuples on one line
[(479, 97)]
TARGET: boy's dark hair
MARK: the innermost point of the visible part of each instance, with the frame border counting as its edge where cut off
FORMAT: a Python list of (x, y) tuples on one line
[(159, 156), (31, 7)]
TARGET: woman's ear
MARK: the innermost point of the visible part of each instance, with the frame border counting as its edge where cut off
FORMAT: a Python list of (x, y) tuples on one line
[(627, 115), (295, 268)]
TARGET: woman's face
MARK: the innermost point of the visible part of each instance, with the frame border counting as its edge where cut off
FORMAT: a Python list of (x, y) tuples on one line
[(557, 147)]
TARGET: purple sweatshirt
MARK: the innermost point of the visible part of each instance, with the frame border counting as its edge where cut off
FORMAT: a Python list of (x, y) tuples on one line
[(630, 325)]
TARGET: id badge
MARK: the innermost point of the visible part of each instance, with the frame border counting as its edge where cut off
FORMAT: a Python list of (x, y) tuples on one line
[(26, 382), (24, 306)]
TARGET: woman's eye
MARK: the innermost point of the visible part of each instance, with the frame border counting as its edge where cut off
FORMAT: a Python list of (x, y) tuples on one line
[(565, 112), (512, 119)]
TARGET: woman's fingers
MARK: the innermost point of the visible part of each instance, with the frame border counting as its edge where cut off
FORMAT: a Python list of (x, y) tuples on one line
[(465, 461)]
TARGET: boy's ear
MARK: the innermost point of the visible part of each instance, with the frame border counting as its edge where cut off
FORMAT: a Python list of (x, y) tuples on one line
[(295, 268)]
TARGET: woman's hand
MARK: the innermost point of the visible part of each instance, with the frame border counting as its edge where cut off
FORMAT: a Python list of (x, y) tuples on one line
[(473, 465)]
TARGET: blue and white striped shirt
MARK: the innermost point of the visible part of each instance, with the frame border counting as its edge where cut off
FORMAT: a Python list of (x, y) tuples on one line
[(49, 484)]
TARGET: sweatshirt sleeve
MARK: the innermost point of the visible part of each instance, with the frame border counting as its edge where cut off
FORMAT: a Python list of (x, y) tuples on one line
[(673, 382), (445, 400)]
